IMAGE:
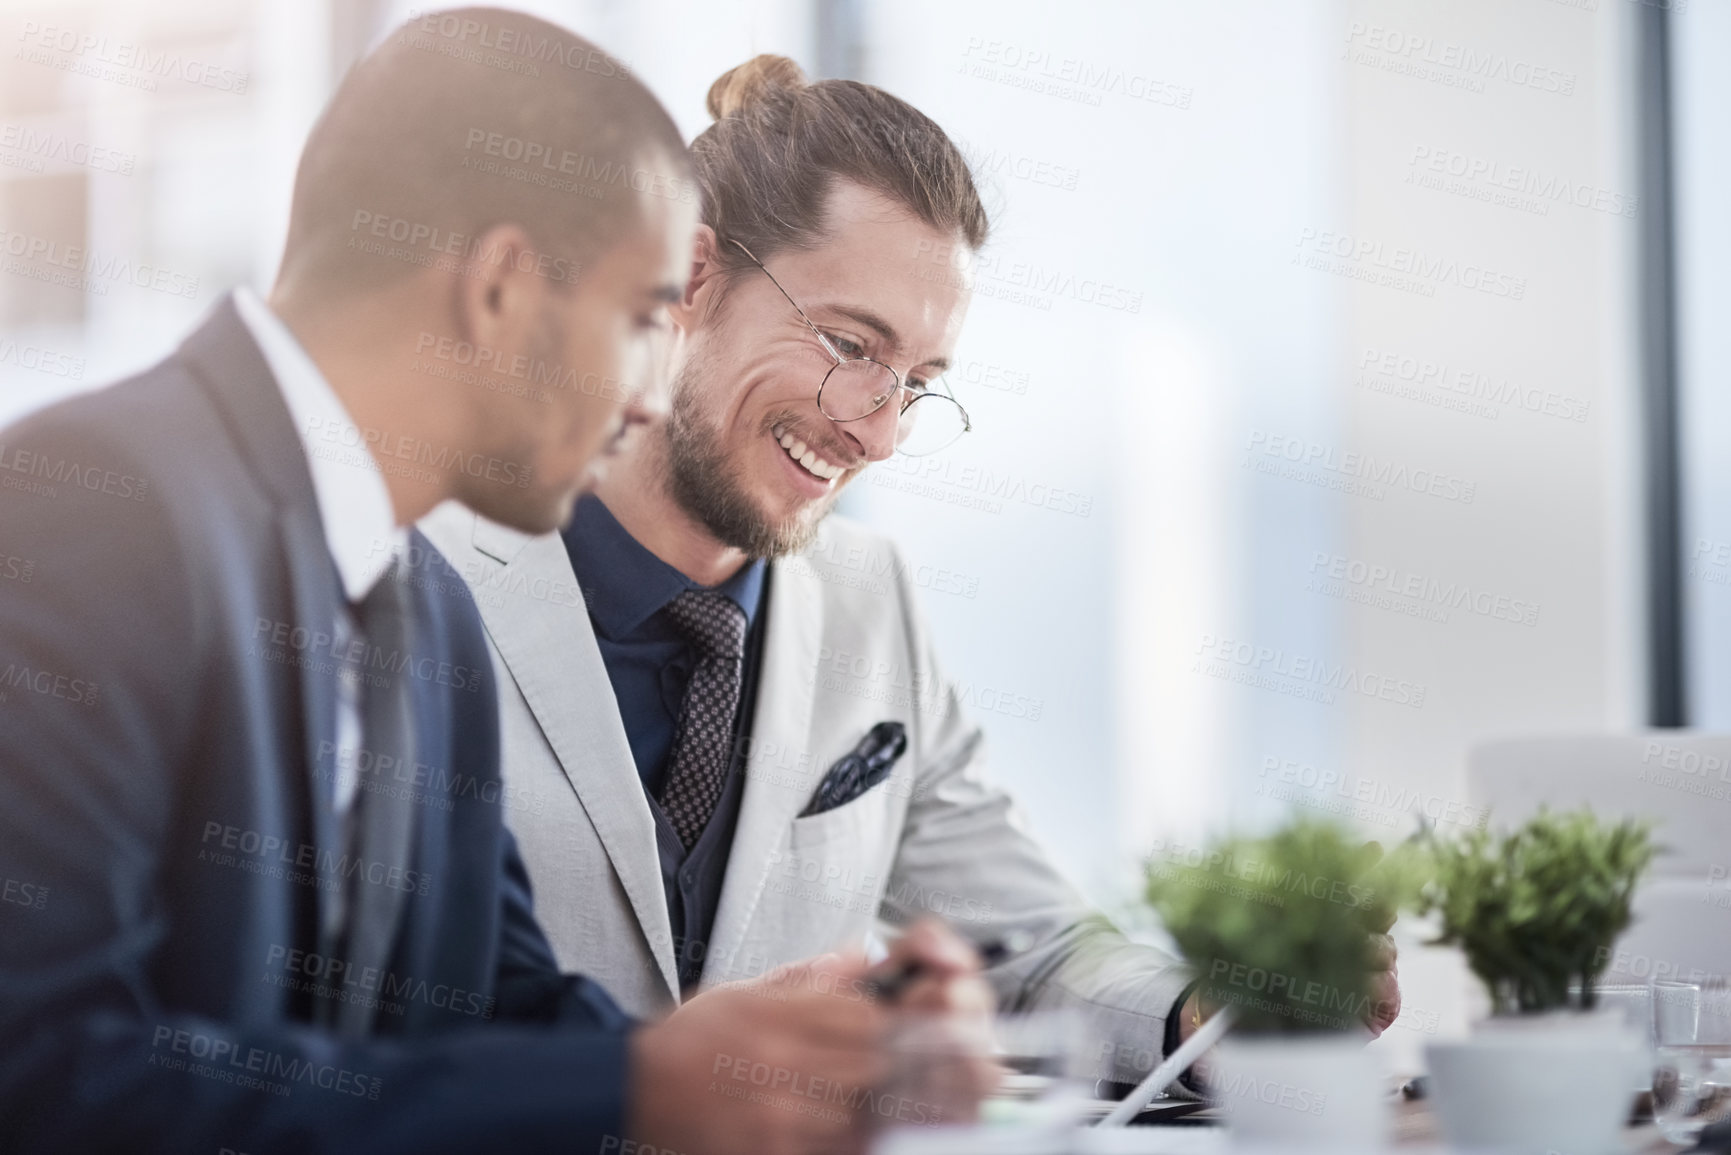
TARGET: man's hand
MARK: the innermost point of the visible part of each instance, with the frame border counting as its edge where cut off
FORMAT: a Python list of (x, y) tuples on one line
[(943, 1028), (770, 1067), (1383, 989), (944, 973), (1384, 1006), (814, 1055)]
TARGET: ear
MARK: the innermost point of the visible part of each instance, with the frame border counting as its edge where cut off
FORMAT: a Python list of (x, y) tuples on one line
[(502, 290), (702, 286)]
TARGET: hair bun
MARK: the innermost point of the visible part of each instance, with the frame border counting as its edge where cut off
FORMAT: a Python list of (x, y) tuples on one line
[(739, 88)]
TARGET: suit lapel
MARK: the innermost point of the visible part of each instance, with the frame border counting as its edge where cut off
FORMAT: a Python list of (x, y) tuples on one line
[(782, 722), (227, 364), (552, 654)]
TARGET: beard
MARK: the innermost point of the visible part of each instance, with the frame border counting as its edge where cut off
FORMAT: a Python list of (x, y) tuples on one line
[(707, 484)]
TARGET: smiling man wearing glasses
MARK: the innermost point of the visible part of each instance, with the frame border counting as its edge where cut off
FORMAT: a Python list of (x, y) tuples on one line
[(732, 753), (857, 386)]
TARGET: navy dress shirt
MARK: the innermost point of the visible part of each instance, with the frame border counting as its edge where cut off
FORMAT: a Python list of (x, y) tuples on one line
[(649, 662)]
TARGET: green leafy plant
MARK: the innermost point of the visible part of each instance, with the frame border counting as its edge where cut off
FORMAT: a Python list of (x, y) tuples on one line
[(1281, 927), (1538, 909)]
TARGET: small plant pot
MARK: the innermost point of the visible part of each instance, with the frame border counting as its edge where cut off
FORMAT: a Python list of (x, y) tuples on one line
[(1553, 1083), (1312, 1091)]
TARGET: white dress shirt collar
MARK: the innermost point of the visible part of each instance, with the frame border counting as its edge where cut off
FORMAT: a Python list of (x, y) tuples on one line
[(355, 506)]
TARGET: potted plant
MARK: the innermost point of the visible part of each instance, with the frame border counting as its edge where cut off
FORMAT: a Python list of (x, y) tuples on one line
[(1536, 912), (1280, 928)]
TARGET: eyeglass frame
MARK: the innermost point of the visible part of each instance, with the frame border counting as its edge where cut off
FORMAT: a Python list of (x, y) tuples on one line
[(913, 395)]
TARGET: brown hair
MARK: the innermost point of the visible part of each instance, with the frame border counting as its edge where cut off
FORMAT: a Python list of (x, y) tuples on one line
[(779, 143)]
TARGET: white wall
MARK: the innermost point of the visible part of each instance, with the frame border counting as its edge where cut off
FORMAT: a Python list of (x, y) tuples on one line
[(1552, 520), (1250, 344)]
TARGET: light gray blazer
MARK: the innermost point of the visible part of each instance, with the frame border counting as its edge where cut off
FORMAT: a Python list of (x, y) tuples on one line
[(846, 648)]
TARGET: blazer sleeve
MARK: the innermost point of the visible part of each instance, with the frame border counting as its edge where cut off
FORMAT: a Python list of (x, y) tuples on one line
[(96, 709), (965, 842)]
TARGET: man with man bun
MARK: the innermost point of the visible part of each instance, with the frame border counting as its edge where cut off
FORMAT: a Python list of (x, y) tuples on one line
[(690, 709)]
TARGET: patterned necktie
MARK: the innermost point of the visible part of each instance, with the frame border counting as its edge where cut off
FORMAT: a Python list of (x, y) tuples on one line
[(715, 625)]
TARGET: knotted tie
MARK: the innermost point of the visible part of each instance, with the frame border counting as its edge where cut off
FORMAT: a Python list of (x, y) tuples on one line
[(715, 625)]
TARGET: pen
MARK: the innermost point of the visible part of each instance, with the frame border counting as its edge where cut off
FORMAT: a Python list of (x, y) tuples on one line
[(898, 979)]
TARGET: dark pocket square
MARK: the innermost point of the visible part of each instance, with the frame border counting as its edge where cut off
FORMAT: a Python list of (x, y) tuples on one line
[(864, 767)]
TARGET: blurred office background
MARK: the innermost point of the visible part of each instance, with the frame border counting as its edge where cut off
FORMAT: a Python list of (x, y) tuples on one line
[(1348, 377)]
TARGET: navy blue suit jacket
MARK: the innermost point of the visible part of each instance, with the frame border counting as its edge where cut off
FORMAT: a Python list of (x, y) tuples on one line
[(167, 712)]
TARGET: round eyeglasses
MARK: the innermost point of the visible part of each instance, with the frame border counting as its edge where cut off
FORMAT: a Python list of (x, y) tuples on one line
[(929, 418)]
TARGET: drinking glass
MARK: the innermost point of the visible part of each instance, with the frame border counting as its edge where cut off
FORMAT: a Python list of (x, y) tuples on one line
[(1692, 1062), (1033, 1068)]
